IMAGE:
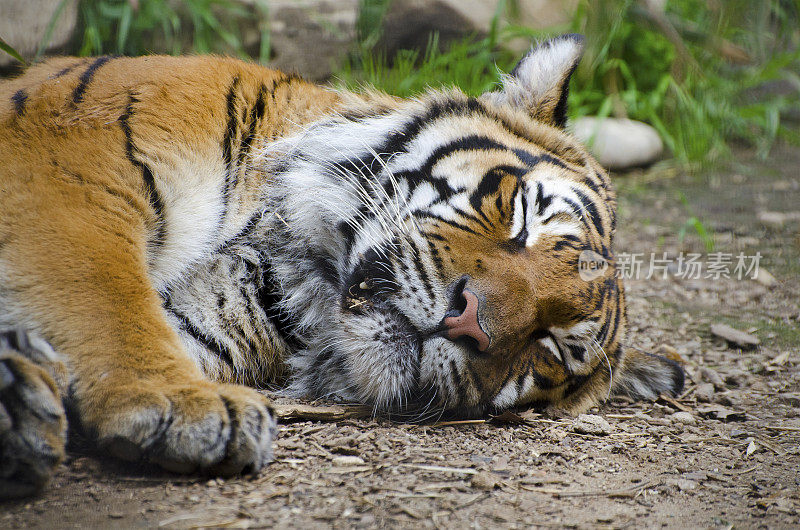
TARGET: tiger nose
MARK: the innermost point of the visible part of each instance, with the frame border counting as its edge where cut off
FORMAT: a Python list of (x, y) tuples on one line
[(465, 323)]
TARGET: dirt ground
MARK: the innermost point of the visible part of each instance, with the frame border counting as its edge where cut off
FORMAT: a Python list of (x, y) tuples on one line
[(725, 454)]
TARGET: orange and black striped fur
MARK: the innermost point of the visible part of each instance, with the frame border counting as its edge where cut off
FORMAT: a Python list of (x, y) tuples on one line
[(175, 231)]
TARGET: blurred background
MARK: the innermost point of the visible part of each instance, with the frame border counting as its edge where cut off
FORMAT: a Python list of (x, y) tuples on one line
[(705, 75)]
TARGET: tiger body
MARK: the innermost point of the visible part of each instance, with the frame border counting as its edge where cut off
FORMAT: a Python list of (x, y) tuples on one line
[(175, 228)]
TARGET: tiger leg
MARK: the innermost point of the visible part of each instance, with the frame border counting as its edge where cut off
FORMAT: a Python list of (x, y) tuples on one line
[(135, 388), (33, 426)]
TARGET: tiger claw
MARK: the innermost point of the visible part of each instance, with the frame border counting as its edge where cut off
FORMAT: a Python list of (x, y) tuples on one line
[(32, 419)]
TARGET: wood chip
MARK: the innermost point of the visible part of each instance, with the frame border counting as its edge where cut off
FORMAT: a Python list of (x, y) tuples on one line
[(347, 460), (508, 418), (780, 360), (443, 469), (735, 337), (619, 493), (664, 399), (301, 411), (718, 412), (348, 469)]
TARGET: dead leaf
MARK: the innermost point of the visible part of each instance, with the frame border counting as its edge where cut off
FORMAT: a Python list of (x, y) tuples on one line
[(718, 412), (734, 336), (508, 418), (664, 399), (780, 360), (302, 411)]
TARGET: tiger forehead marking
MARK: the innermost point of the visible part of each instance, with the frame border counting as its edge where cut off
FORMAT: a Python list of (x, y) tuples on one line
[(177, 227), (459, 226)]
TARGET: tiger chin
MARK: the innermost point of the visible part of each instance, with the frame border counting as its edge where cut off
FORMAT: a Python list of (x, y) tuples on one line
[(176, 232)]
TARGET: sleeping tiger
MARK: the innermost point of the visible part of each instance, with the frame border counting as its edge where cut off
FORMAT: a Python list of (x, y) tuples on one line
[(177, 231)]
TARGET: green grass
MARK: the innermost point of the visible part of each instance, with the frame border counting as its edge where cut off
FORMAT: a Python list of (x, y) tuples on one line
[(147, 26), (657, 68), (690, 71)]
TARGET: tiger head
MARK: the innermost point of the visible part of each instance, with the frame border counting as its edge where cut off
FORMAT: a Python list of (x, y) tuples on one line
[(454, 253)]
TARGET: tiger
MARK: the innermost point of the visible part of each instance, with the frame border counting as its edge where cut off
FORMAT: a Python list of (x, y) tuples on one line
[(178, 233)]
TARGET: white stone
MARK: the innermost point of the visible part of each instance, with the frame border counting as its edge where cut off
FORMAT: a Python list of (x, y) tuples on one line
[(347, 460), (765, 278), (619, 143)]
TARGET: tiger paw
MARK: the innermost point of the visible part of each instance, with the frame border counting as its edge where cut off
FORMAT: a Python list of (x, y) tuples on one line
[(197, 427), (33, 426)]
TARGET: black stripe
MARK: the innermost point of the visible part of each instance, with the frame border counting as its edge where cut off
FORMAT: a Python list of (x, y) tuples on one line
[(577, 352), (86, 78), (269, 297), (577, 382), (490, 183), (542, 202), (246, 142), (541, 381), (245, 340), (476, 379), (458, 382), (550, 219), (156, 202), (560, 112), (437, 258), (210, 344), (594, 215), (567, 240), (467, 143), (349, 233), (592, 185), (19, 98), (434, 235), (471, 217), (285, 80), (326, 268), (398, 141), (231, 131), (532, 160), (65, 71), (418, 214), (420, 267)]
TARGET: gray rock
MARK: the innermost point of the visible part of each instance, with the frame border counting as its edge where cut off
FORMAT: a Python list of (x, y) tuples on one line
[(591, 424), (483, 481), (619, 143), (735, 337), (683, 418), (23, 24), (710, 375), (408, 24), (311, 37), (704, 392)]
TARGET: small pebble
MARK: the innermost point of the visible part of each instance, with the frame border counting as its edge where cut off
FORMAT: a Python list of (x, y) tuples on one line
[(483, 481), (591, 424), (711, 376), (347, 460), (684, 418), (704, 392)]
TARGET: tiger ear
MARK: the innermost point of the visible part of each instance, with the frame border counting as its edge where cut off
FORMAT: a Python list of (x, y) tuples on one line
[(539, 83)]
